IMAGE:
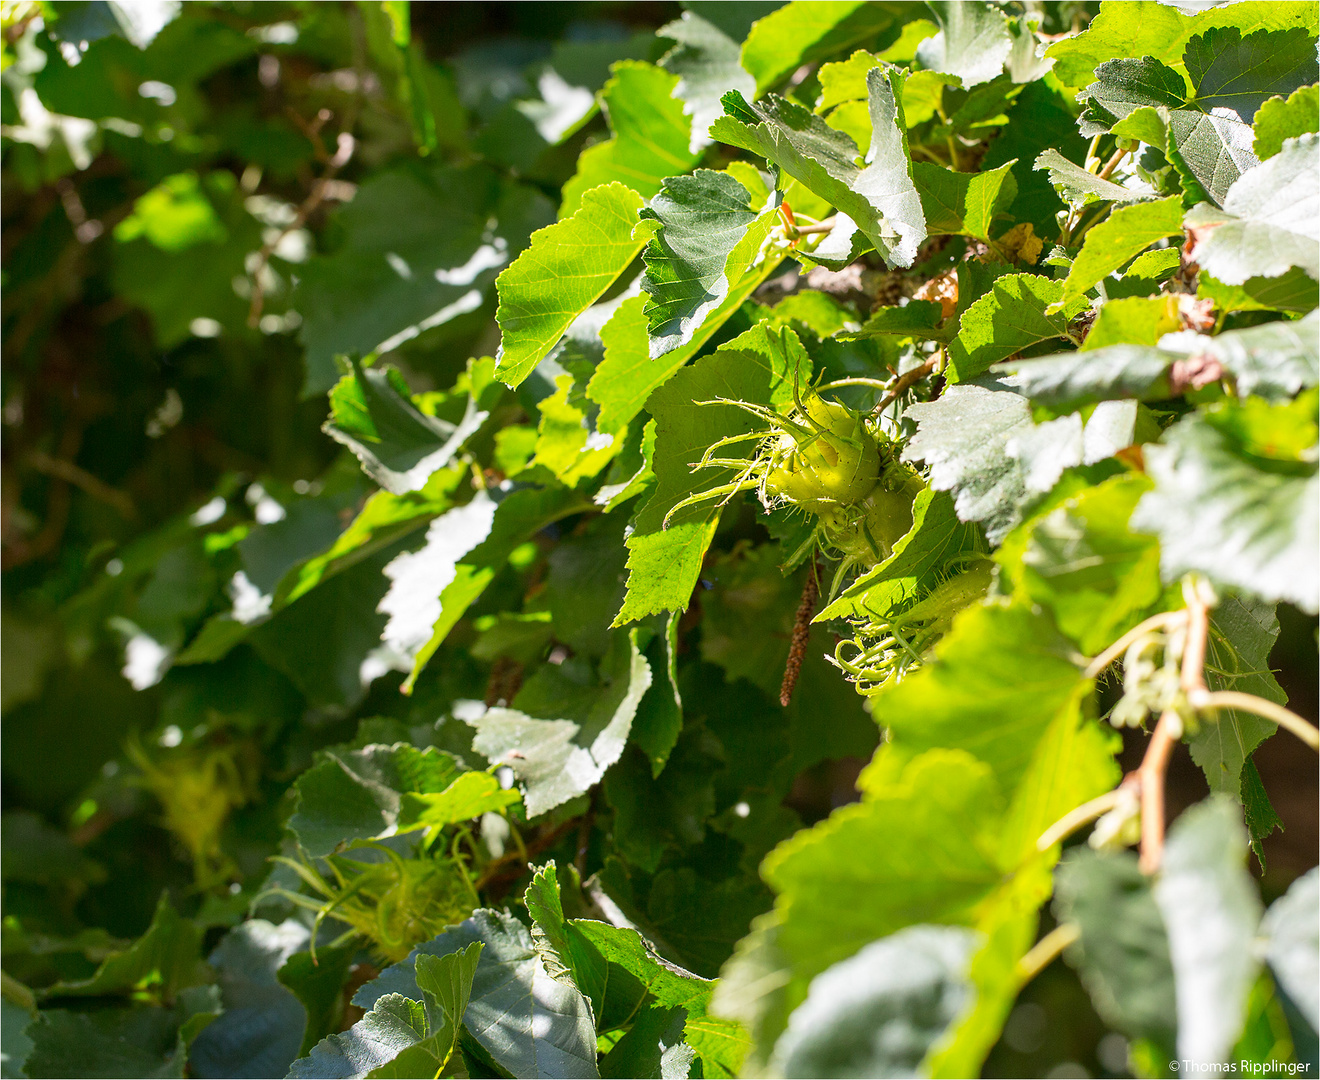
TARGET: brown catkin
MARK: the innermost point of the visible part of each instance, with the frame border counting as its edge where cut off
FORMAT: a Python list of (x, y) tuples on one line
[(801, 631)]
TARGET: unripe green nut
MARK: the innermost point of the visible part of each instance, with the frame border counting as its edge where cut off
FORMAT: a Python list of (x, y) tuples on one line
[(839, 464)]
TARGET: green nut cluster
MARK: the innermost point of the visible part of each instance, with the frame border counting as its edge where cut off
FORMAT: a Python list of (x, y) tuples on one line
[(831, 463)]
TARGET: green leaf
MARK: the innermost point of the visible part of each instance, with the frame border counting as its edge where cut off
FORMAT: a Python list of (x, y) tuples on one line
[(830, 905), (918, 318), (1077, 187), (1128, 231), (322, 641), (1122, 952), (1240, 73), (564, 271), (157, 966), (558, 759), (464, 549), (627, 375), (806, 30), (143, 1041), (935, 537), (747, 615), (963, 437), (355, 794), (963, 204), (420, 248), (1019, 311), (1274, 361), (653, 1046), (446, 984), (1211, 912), (878, 1013), (1133, 320), (1257, 810), (1269, 220), (393, 1025), (1082, 563), (702, 220), (621, 972), (1021, 677), (528, 1022), (707, 63), (1209, 134), (877, 199), (320, 988), (757, 367), (659, 719), (565, 443), (1291, 946), (1242, 634), (585, 585), (1282, 118), (650, 141), (1243, 521), (398, 446), (1149, 28), (973, 42), (468, 796), (1292, 292), (261, 1029)]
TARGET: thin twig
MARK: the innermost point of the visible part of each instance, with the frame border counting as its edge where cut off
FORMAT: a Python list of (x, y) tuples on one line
[(1155, 764), (820, 227), (1075, 819), (857, 381), (315, 197), (1155, 622), (901, 384), (81, 478), (1234, 699), (1112, 163), (584, 834), (1045, 951)]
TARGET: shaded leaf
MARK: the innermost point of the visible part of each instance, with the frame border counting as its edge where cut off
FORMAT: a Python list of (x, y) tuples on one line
[(1244, 522), (701, 221), (707, 63), (419, 250), (1122, 953), (879, 1012), (1291, 948), (355, 794), (398, 446), (1210, 911), (1242, 633), (260, 1032), (878, 199), (530, 1024), (558, 759)]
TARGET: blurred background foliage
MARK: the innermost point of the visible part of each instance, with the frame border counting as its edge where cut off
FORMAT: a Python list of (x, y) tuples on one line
[(184, 201)]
